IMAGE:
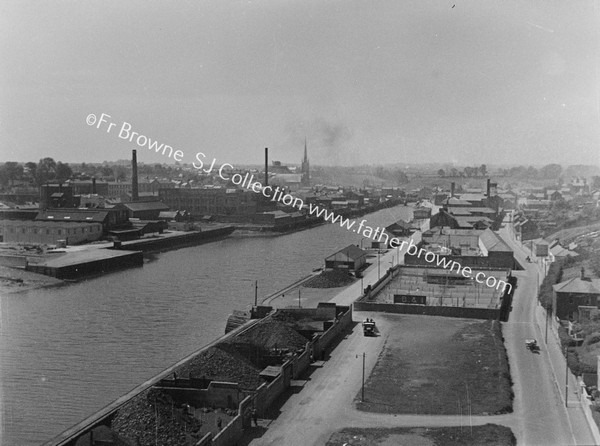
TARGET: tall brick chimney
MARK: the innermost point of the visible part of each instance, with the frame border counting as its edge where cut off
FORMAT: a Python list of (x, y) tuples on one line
[(452, 187), (266, 166), (134, 177), (94, 185), (488, 188)]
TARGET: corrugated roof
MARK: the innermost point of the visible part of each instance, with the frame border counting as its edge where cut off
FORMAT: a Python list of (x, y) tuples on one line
[(493, 242)]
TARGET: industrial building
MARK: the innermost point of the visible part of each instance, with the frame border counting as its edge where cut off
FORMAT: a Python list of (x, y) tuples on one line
[(49, 232)]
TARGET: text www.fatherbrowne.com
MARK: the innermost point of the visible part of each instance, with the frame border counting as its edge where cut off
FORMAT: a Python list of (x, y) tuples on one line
[(278, 195), (379, 235)]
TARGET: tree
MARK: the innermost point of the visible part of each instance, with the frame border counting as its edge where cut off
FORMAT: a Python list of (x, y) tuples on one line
[(470, 171), (483, 170), (11, 171), (551, 171), (441, 173), (401, 177), (120, 173), (106, 171), (46, 170), (31, 169), (63, 172), (596, 182)]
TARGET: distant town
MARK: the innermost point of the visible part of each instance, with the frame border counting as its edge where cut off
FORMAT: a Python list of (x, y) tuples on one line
[(414, 318)]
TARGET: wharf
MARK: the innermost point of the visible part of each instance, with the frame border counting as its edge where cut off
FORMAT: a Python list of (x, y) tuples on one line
[(76, 264), (177, 239)]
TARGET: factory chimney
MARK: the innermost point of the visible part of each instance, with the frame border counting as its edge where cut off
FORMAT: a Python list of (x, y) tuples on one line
[(488, 187), (134, 177), (93, 185), (266, 166), (452, 187)]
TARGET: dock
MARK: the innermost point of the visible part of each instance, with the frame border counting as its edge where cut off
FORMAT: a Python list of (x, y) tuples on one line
[(76, 264)]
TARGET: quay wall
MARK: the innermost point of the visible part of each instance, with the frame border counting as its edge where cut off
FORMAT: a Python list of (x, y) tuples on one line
[(89, 267), (462, 312), (187, 239)]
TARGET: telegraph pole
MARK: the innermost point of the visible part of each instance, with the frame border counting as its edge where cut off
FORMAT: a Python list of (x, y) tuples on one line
[(546, 326), (256, 293), (566, 379), (362, 392)]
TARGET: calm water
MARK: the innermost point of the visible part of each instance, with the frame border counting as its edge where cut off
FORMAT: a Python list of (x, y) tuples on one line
[(69, 351)]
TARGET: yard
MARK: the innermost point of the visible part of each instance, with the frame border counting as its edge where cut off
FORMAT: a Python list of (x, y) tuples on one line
[(439, 366)]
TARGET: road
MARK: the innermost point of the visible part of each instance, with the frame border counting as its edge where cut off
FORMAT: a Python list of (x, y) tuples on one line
[(539, 380)]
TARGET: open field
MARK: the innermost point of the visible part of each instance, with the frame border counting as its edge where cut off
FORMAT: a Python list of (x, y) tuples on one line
[(453, 366), (489, 434)]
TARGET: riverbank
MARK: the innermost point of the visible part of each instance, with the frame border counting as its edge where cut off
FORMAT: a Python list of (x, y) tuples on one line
[(25, 264), (14, 280)]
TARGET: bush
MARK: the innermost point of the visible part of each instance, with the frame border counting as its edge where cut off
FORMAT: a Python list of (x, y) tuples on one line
[(565, 339), (593, 338)]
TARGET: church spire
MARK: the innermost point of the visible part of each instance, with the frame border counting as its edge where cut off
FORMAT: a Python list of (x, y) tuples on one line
[(305, 151), (305, 166)]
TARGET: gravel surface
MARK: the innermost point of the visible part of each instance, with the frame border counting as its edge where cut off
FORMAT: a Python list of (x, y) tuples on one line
[(273, 334), (330, 279), (223, 363), (138, 420)]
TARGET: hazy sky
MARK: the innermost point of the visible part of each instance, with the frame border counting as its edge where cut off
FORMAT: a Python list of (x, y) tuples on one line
[(476, 81)]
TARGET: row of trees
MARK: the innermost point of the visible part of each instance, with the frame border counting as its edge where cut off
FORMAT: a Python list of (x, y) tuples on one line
[(38, 173), (468, 172), (548, 172), (47, 169)]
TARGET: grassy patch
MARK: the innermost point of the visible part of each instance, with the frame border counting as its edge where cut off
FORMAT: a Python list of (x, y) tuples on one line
[(489, 434), (433, 365)]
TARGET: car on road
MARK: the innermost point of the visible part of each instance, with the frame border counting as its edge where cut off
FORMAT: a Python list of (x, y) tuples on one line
[(532, 345)]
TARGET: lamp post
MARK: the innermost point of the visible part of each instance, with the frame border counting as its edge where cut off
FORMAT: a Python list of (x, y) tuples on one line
[(378, 264)]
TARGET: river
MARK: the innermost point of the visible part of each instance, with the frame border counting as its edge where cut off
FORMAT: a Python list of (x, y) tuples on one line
[(67, 352)]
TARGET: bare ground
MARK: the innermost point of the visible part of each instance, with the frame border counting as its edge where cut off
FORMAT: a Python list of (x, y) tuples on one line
[(489, 434), (453, 366)]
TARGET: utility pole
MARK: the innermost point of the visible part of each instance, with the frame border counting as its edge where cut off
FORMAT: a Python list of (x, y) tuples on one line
[(566, 379), (546, 326), (362, 392), (256, 293), (299, 304), (378, 263)]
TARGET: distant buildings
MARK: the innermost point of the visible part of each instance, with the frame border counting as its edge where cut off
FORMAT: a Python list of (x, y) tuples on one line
[(468, 247), (211, 201)]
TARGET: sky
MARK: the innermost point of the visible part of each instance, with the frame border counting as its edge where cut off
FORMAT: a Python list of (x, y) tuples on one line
[(365, 82)]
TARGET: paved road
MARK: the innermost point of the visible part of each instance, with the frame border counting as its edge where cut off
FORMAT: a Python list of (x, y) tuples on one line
[(539, 379)]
